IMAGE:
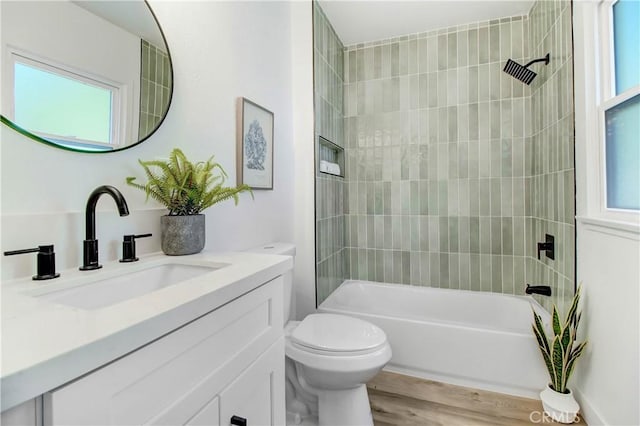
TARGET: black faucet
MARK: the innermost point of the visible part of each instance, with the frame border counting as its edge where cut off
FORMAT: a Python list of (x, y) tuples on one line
[(90, 244), (544, 290)]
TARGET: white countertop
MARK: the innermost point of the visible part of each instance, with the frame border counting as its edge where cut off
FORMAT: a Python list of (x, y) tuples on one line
[(45, 344)]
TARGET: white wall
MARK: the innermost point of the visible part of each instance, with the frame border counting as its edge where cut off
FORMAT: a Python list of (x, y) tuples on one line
[(68, 35), (607, 377), (220, 51), (302, 80)]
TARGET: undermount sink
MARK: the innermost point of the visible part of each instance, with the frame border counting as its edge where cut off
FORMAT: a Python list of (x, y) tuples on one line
[(106, 291)]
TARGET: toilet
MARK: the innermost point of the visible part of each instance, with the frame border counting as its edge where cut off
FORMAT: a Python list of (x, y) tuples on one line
[(329, 360)]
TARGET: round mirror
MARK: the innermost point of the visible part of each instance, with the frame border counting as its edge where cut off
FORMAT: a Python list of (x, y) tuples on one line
[(89, 76)]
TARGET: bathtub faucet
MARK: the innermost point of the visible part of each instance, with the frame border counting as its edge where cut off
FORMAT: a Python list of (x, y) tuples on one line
[(544, 290)]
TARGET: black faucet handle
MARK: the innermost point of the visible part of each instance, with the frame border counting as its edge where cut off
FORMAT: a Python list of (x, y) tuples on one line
[(548, 247), (141, 235), (23, 251), (129, 247), (46, 267)]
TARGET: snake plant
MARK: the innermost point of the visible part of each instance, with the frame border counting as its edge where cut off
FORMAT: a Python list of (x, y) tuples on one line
[(561, 351), (186, 188)]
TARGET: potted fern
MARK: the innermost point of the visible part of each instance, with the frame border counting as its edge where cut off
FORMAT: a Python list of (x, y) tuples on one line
[(186, 189), (560, 353)]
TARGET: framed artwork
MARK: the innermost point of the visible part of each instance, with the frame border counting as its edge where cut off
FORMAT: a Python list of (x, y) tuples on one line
[(255, 145)]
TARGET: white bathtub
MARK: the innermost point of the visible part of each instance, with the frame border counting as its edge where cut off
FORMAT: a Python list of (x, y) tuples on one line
[(466, 338)]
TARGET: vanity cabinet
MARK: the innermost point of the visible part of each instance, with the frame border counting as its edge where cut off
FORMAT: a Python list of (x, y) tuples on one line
[(228, 362), (28, 413)]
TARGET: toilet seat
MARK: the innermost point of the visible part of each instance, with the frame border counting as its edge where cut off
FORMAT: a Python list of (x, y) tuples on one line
[(340, 335), (332, 357), (337, 362), (317, 346)]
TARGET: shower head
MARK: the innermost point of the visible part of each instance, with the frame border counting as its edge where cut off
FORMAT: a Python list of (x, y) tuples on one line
[(523, 73)]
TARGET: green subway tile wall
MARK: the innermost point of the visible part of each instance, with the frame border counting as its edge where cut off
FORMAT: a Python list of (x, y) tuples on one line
[(436, 136), (331, 256), (454, 169), (550, 183), (155, 87)]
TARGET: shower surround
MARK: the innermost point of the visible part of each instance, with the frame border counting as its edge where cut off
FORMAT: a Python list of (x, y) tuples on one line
[(435, 148), (551, 149), (455, 170)]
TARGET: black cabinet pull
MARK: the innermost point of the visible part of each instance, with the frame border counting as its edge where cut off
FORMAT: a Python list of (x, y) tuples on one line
[(238, 421)]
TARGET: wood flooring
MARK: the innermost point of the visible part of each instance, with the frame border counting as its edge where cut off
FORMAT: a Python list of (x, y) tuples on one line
[(397, 399)]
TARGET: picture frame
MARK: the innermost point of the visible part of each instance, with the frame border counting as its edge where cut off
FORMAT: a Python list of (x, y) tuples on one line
[(255, 145)]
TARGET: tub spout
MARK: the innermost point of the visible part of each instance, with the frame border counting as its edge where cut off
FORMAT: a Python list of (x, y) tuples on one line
[(544, 290)]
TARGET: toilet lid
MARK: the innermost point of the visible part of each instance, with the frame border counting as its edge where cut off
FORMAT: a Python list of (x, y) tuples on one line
[(337, 333)]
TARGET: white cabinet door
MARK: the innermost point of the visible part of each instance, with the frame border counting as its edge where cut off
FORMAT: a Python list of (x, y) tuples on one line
[(208, 416), (173, 379), (257, 395)]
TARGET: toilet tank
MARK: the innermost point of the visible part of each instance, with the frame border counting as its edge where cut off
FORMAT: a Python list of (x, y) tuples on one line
[(284, 249)]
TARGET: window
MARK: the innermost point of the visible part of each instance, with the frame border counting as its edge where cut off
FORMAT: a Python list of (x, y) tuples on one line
[(620, 106), (63, 105)]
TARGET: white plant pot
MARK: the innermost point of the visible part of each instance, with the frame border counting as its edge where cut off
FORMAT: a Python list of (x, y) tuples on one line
[(561, 407)]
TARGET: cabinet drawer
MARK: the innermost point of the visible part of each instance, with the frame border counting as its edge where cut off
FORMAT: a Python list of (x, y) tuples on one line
[(171, 379), (257, 395)]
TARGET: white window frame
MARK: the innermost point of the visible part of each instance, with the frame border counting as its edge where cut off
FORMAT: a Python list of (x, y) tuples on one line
[(34, 61), (606, 100)]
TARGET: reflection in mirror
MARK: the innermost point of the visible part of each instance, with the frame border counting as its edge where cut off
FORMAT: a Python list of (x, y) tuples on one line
[(91, 76)]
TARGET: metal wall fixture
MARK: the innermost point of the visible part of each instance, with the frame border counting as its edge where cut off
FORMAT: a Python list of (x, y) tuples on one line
[(523, 73), (548, 246)]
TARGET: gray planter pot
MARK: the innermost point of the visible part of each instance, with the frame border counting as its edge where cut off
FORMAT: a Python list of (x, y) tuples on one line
[(181, 235)]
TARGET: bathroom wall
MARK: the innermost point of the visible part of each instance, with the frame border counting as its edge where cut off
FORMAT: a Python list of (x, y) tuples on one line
[(607, 254), (330, 212), (304, 168), (455, 169), (436, 137), (220, 51), (551, 181)]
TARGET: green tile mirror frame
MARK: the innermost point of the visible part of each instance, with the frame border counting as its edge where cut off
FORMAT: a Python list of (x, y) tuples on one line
[(96, 79)]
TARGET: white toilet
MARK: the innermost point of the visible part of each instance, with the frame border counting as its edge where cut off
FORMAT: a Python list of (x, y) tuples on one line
[(330, 358)]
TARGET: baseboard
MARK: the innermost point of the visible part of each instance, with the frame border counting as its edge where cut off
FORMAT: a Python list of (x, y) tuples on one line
[(588, 412)]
